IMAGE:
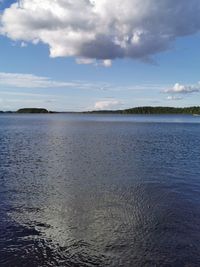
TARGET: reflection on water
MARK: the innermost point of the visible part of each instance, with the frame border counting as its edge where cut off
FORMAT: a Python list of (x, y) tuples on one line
[(93, 190)]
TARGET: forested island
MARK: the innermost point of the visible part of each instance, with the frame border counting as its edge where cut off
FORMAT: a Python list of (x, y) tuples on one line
[(32, 110), (27, 110)]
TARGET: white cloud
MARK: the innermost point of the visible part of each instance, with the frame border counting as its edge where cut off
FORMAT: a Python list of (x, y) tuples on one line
[(174, 98), (85, 61), (183, 89), (107, 104), (102, 29), (23, 44), (107, 63)]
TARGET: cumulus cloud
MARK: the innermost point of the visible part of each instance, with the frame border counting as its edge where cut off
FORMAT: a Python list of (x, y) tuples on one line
[(101, 29), (107, 104), (183, 89)]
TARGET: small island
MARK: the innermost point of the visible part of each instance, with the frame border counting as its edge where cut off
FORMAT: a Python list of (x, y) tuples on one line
[(32, 110)]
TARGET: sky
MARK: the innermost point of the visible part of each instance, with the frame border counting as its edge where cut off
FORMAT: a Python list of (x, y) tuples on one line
[(83, 55)]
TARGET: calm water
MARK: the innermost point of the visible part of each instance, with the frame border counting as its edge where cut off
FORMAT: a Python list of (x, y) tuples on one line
[(94, 190)]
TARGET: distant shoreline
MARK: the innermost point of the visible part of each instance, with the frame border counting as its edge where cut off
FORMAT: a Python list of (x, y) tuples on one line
[(146, 110)]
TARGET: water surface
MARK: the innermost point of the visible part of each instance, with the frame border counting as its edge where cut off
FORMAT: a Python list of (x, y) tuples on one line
[(99, 190)]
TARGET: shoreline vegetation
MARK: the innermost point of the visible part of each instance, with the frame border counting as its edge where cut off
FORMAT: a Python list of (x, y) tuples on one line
[(195, 110)]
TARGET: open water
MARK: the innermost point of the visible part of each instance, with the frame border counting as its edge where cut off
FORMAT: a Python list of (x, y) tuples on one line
[(99, 190)]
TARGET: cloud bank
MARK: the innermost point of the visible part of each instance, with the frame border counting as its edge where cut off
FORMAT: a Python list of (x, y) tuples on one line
[(28, 80), (25, 80), (21, 80), (102, 30)]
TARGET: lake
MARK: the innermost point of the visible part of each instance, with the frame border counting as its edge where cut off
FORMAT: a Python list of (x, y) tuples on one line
[(99, 190)]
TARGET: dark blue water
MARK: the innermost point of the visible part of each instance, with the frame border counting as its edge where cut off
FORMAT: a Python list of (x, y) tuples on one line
[(94, 190)]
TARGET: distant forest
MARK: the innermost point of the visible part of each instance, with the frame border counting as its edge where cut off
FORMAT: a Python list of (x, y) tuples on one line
[(162, 110), (154, 110), (138, 110)]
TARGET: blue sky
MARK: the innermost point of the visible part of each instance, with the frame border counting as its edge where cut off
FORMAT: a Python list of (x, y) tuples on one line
[(33, 75)]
